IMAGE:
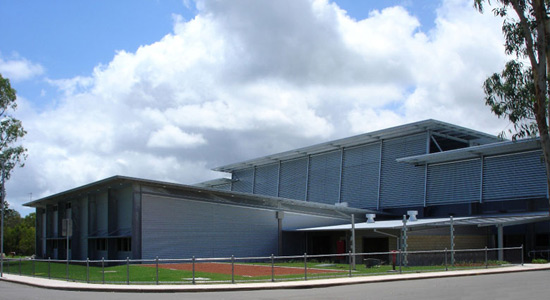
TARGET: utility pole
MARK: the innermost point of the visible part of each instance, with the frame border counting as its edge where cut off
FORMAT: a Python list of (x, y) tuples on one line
[(2, 197)]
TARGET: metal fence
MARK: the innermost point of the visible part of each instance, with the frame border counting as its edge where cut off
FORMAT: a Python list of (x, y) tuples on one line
[(253, 269)]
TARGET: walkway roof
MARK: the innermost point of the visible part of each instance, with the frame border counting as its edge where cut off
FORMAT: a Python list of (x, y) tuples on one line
[(438, 127), (480, 221)]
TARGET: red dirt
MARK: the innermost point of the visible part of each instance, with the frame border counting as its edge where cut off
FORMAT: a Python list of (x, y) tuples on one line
[(242, 270)]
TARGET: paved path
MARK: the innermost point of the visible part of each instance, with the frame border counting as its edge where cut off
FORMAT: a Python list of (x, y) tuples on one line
[(503, 286), (76, 286)]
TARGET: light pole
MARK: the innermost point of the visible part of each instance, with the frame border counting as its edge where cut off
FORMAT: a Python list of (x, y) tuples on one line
[(2, 223)]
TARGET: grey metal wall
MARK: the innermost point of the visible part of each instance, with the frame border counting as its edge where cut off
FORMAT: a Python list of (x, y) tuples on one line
[(180, 228), (515, 176), (293, 179), (266, 180), (457, 182), (360, 175), (324, 177), (243, 180), (350, 175), (402, 184)]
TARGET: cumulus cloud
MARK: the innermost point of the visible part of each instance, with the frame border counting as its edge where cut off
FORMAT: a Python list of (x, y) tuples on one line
[(18, 68), (247, 78)]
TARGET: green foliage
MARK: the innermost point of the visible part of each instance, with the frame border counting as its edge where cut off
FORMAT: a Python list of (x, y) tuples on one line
[(19, 233), (520, 93), (539, 261), (510, 94), (11, 130)]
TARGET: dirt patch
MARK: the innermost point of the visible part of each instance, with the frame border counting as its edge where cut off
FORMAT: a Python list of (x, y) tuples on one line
[(242, 269)]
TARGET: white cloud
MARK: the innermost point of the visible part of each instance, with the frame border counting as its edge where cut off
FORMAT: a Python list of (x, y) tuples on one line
[(18, 68), (247, 78), (172, 137)]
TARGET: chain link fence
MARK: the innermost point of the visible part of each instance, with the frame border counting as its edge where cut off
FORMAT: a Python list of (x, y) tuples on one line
[(261, 269)]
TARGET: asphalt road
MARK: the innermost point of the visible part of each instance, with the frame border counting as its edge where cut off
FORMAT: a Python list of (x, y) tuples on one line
[(525, 285)]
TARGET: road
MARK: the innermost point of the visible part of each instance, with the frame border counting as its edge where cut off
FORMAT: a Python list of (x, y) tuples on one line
[(526, 285)]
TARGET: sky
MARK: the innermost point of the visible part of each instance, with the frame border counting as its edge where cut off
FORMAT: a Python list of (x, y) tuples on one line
[(169, 89)]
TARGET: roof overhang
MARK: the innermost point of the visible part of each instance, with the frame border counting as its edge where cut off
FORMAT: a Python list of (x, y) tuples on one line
[(438, 127), (474, 152), (188, 192)]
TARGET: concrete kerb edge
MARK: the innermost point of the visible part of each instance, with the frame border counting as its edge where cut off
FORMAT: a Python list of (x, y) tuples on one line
[(316, 283)]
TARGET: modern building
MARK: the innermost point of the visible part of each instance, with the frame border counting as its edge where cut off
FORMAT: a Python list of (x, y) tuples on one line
[(303, 199)]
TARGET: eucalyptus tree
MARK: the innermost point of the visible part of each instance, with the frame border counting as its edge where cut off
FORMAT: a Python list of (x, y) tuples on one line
[(520, 92)]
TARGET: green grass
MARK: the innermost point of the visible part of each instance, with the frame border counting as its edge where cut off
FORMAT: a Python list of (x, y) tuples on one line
[(148, 275)]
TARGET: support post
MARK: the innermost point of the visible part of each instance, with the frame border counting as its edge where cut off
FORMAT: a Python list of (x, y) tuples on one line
[(232, 269), (305, 266), (446, 266), (352, 261), (157, 266), (2, 197), (404, 245), (193, 268), (452, 228), (486, 259), (87, 270), (272, 268), (500, 237), (521, 253), (127, 271), (350, 264)]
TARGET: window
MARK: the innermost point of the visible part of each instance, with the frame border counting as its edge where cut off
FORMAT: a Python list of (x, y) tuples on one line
[(124, 244), (101, 244)]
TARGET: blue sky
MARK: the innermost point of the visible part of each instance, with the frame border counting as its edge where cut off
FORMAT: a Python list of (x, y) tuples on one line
[(70, 38), (169, 89)]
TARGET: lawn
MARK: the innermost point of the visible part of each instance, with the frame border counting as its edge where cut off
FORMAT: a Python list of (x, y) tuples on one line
[(147, 274)]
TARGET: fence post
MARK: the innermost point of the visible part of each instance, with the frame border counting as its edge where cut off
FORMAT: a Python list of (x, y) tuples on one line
[(446, 267), (193, 269), (33, 267), (103, 270), (232, 269), (87, 270), (49, 261), (521, 254), (349, 259), (486, 259), (400, 271), (127, 270), (157, 263), (305, 266), (272, 268)]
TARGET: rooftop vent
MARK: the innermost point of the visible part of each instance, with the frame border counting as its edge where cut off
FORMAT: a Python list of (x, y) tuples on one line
[(370, 218), (412, 215)]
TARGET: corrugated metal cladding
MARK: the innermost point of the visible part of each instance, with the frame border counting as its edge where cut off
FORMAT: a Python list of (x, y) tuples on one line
[(360, 176), (457, 182), (324, 177), (266, 180), (402, 184), (179, 228), (514, 176), (293, 179), (243, 180)]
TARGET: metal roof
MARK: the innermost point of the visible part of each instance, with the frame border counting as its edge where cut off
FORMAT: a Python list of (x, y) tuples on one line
[(441, 128), (499, 148), (188, 192), (480, 221)]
